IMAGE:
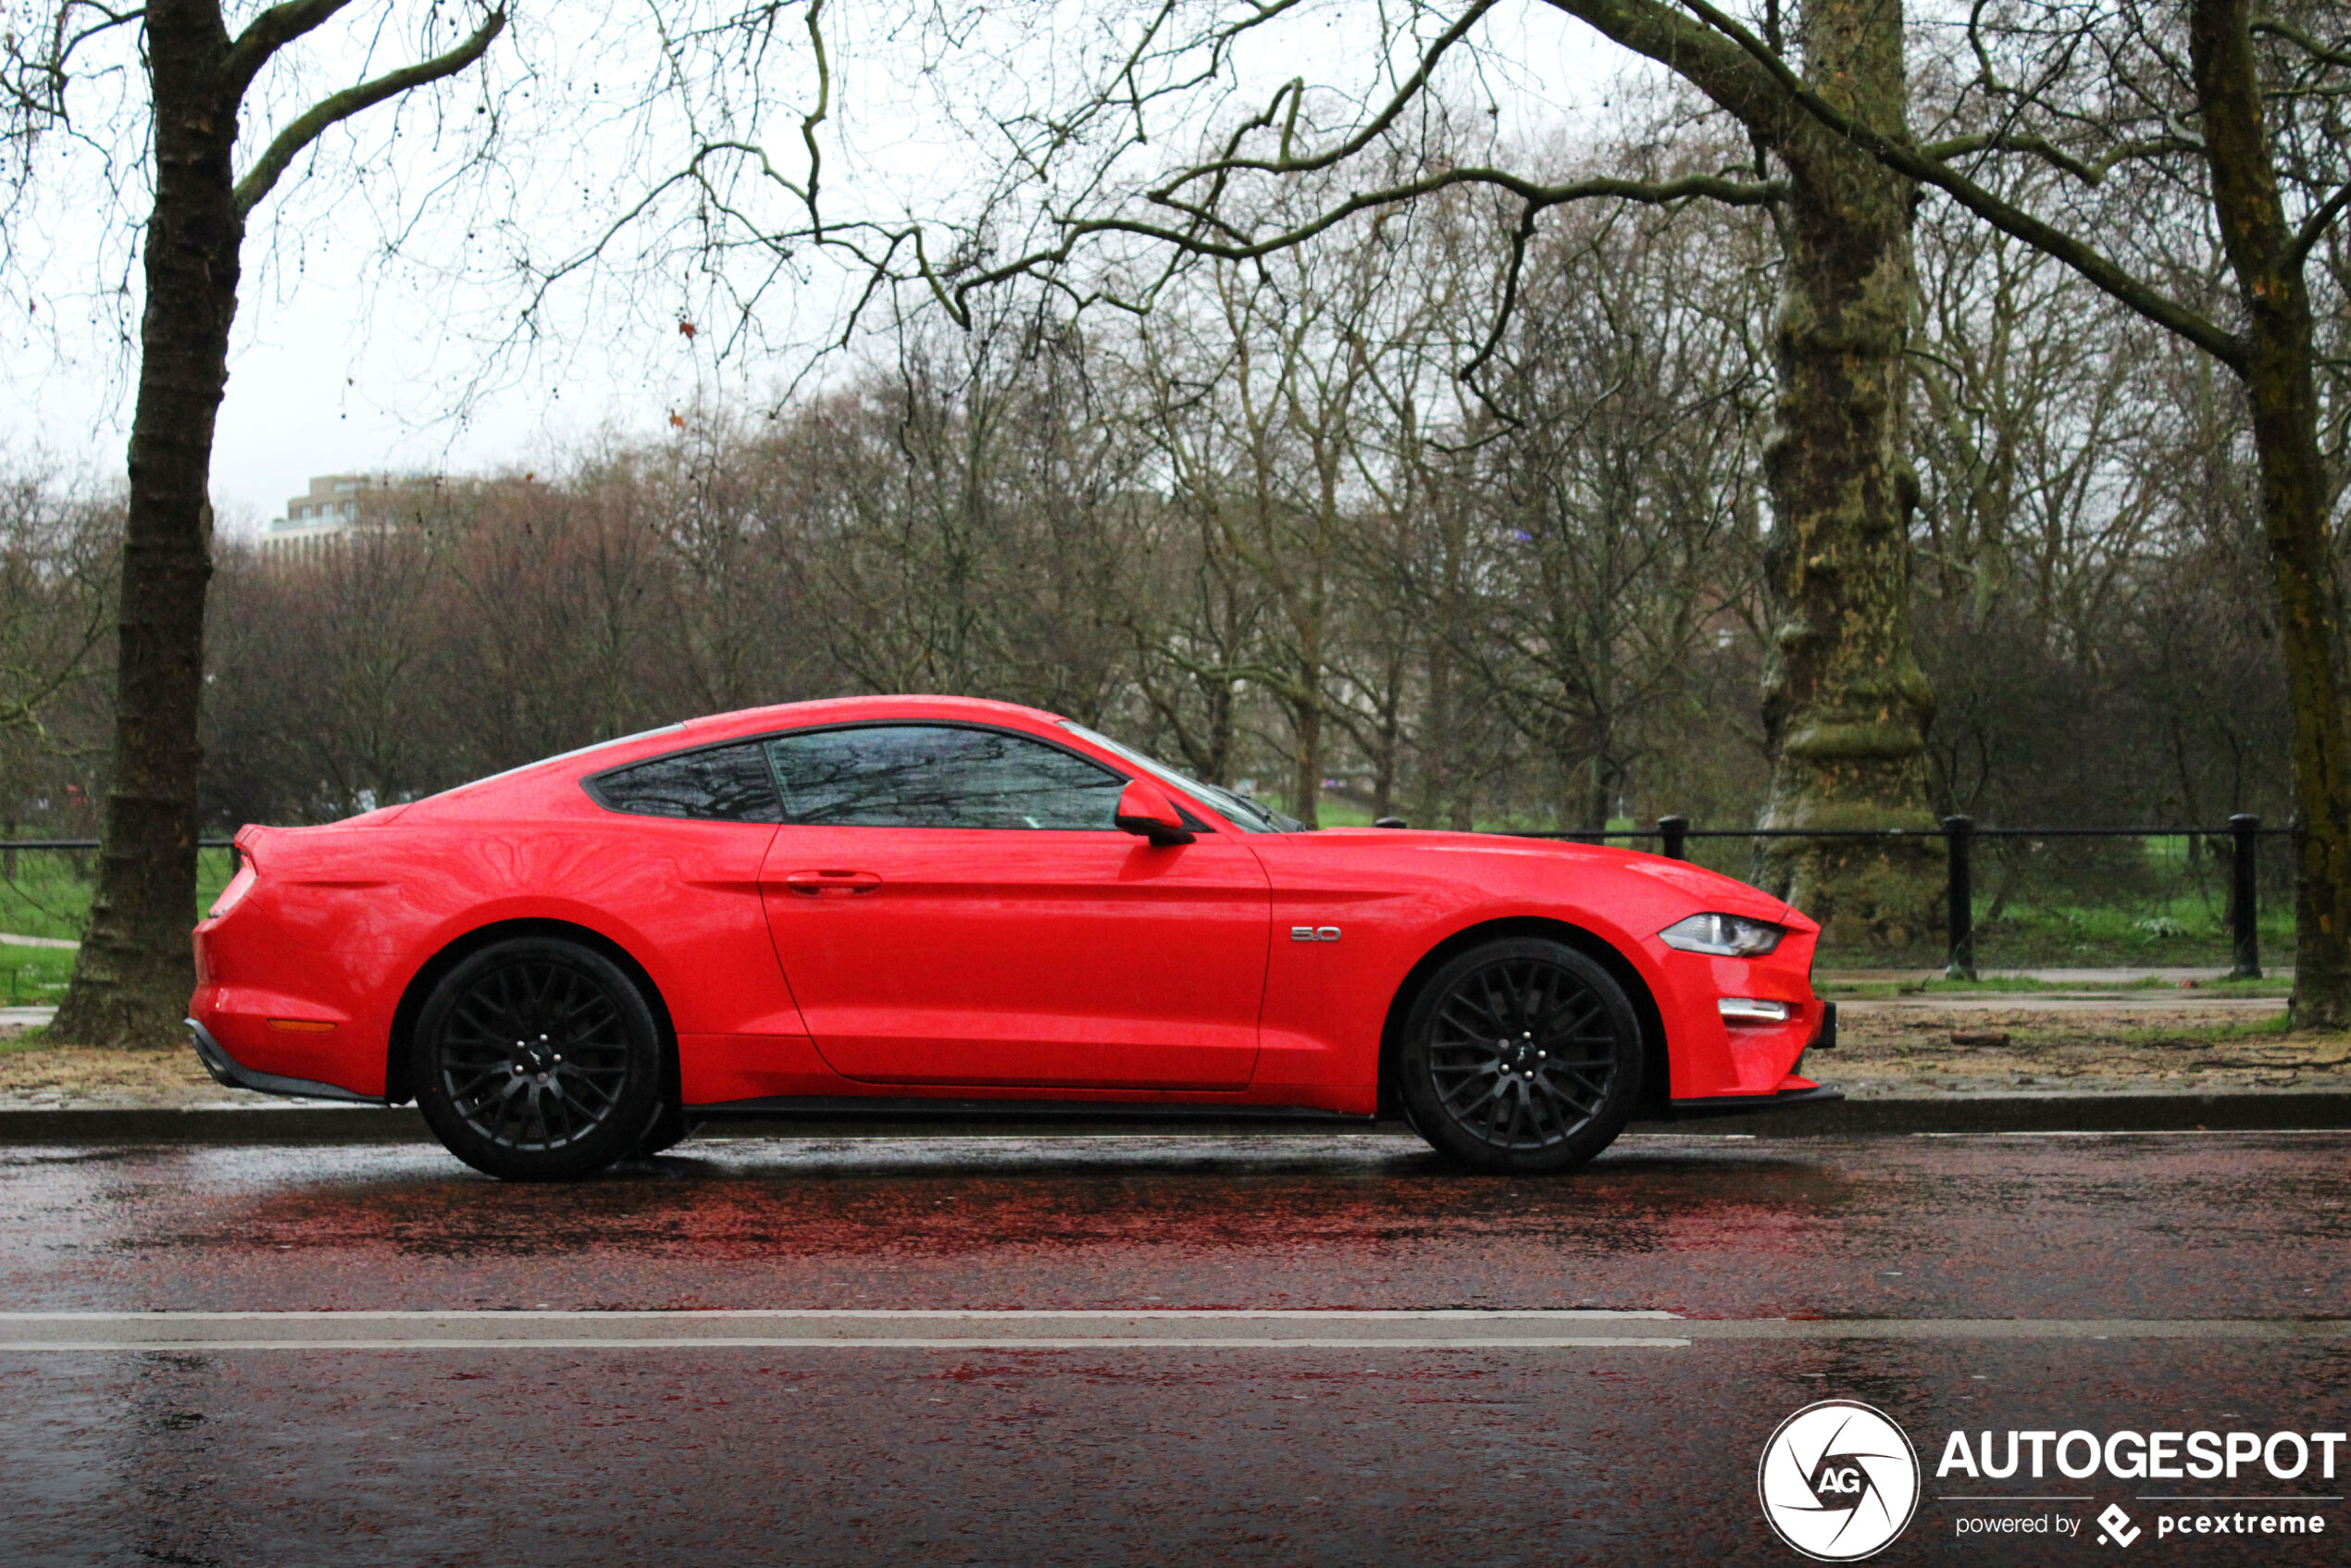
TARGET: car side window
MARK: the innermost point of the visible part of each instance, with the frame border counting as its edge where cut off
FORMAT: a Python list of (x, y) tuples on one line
[(720, 783), (938, 776)]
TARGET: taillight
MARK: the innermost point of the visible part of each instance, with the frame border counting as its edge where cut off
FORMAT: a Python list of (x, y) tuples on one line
[(234, 893)]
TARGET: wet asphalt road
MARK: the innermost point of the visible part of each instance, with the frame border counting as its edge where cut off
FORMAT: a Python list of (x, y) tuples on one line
[(2143, 1282)]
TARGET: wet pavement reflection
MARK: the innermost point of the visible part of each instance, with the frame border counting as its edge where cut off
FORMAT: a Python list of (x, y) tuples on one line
[(2247, 1224), (1122, 1454)]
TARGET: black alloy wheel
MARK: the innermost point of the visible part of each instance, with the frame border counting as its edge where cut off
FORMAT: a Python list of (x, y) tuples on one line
[(1521, 1057), (538, 1059)]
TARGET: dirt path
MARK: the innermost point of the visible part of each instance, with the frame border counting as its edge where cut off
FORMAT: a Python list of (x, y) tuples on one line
[(1974, 1045)]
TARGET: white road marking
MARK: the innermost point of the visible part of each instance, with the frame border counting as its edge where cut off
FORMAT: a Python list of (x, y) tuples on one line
[(837, 1328), (2150, 1132), (949, 1330)]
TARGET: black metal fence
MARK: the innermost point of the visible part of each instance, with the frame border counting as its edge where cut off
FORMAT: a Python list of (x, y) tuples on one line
[(1959, 834), (2243, 836)]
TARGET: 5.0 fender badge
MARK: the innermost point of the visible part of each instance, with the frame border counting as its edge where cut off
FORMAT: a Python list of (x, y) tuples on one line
[(1314, 933)]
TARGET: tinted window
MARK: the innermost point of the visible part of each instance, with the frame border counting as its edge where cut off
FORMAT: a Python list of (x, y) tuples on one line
[(725, 783), (936, 776)]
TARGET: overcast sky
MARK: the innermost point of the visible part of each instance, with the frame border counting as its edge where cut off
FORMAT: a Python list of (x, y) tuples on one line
[(341, 363)]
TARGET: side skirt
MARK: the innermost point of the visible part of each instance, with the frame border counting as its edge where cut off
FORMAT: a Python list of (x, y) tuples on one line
[(859, 1108)]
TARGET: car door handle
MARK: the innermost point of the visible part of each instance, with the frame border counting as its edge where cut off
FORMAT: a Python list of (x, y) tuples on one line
[(816, 883)]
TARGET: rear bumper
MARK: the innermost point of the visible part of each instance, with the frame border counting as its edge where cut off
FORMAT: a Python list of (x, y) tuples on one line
[(230, 1074)]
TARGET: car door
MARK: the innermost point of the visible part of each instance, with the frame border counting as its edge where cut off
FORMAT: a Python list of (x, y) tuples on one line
[(680, 860), (952, 906)]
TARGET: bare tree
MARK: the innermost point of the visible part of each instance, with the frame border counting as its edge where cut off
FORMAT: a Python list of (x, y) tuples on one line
[(1194, 614), (133, 972), (1615, 533), (1259, 393), (1846, 698), (58, 544), (56, 595)]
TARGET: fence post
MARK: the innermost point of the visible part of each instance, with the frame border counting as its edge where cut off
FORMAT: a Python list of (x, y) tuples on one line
[(2243, 912), (1960, 899), (1674, 830)]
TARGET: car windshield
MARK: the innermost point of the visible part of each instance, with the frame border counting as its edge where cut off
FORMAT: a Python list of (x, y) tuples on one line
[(1245, 813)]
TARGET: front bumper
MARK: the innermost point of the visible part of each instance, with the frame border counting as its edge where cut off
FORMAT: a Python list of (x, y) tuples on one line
[(1793, 1090), (230, 1074), (1741, 1104)]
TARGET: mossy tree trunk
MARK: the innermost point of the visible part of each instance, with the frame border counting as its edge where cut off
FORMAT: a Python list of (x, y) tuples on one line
[(132, 977), (1844, 702), (2273, 354), (2268, 257)]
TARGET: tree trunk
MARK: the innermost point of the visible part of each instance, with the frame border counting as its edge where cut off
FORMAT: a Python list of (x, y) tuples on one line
[(1306, 772), (2279, 382), (1444, 796), (1218, 765), (1846, 703), (132, 977)]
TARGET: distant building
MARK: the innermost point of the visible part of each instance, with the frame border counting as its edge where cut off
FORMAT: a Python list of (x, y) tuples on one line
[(337, 506)]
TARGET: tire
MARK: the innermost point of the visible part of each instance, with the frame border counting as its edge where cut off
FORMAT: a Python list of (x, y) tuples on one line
[(670, 1128), (538, 1059), (1520, 1057)]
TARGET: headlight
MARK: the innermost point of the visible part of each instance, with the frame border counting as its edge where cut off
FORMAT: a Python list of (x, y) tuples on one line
[(1725, 935), (233, 894)]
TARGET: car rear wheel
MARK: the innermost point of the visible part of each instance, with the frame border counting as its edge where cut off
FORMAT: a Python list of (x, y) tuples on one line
[(1521, 1057), (538, 1059)]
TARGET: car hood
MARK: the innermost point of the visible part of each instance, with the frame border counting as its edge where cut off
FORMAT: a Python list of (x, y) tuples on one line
[(1722, 894)]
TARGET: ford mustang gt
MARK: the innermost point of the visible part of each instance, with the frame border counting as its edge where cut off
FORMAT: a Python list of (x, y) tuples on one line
[(920, 904)]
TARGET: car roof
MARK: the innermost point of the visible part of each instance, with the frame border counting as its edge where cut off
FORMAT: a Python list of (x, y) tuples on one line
[(547, 783), (850, 710)]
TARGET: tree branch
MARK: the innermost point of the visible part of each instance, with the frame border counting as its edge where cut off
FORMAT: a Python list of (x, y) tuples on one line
[(1241, 248), (1295, 91), (815, 117), (264, 35), (2304, 42), (1716, 67), (2048, 151), (33, 81), (2314, 228), (1905, 158), (341, 106)]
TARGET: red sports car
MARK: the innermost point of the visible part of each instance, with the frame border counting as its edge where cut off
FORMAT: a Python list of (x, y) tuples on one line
[(896, 905)]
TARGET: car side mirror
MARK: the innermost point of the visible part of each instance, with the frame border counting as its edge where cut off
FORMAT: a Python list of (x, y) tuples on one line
[(1146, 813)]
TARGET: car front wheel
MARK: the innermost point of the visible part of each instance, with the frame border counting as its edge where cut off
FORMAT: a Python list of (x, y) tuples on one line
[(1521, 1057), (538, 1059)]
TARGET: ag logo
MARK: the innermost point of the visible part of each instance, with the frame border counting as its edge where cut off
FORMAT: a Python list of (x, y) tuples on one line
[(1839, 1481)]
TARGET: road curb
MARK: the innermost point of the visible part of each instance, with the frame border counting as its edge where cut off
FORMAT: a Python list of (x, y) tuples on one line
[(298, 1125), (2124, 1111)]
